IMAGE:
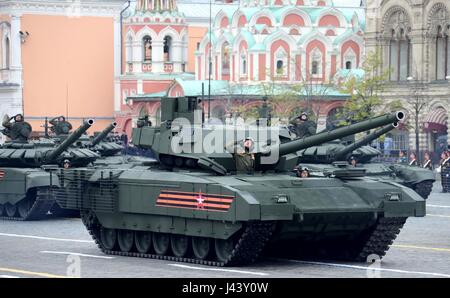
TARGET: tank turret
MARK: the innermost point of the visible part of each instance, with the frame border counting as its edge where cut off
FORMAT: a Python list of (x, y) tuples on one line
[(32, 154), (180, 139)]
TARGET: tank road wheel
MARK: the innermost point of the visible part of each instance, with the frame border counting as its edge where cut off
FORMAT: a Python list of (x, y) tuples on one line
[(224, 249), (161, 243), (180, 245), (201, 247), (125, 239), (143, 241), (108, 238), (10, 209)]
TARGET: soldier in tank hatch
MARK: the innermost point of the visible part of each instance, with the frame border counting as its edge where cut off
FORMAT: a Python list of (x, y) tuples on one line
[(18, 131), (353, 161), (60, 126), (243, 156), (303, 126)]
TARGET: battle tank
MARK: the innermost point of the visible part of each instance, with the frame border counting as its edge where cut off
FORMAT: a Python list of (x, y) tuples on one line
[(196, 206), (27, 174), (316, 159)]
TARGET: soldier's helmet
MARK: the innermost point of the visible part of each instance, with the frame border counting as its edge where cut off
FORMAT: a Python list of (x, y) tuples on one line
[(303, 117), (18, 118)]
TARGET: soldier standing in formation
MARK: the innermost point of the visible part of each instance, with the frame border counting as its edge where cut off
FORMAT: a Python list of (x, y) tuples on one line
[(445, 171), (402, 158), (413, 160), (18, 131), (60, 126), (427, 163)]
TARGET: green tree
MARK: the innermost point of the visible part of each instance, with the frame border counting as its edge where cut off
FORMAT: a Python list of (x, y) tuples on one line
[(364, 101)]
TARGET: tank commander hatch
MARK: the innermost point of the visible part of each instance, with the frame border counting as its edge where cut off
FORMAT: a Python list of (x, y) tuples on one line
[(242, 154), (18, 131), (60, 126)]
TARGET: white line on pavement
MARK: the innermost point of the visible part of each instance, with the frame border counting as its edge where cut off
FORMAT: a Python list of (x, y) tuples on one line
[(45, 238), (8, 276), (367, 268), (75, 254), (438, 215), (219, 269), (437, 206)]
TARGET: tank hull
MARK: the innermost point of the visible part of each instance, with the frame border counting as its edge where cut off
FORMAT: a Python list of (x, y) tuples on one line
[(26, 193), (198, 205)]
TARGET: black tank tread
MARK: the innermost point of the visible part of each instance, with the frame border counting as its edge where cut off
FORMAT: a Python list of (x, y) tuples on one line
[(247, 250), (43, 203), (381, 238), (423, 188)]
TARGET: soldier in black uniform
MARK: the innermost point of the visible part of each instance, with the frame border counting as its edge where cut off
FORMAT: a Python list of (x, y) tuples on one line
[(413, 160), (18, 131), (445, 171), (303, 126), (60, 126), (427, 163)]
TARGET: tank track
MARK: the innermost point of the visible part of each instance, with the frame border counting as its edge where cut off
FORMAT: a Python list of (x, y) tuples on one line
[(43, 203), (423, 188), (378, 241), (248, 248)]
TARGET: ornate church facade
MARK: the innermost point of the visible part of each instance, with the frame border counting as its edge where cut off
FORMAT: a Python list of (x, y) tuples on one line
[(414, 39)]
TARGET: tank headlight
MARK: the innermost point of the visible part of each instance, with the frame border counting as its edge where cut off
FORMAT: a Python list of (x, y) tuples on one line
[(393, 196), (282, 199)]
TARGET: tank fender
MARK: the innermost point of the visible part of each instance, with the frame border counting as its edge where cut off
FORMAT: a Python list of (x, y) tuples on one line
[(413, 175), (41, 179)]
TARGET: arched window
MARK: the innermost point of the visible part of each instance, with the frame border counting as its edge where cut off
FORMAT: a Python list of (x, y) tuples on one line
[(315, 68), (7, 53), (167, 49), (147, 42), (244, 64), (225, 57), (399, 46), (442, 54), (348, 65), (279, 67)]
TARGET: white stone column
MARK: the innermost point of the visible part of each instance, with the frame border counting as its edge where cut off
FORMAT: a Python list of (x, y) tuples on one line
[(138, 56), (140, 87), (177, 54), (157, 56), (16, 51)]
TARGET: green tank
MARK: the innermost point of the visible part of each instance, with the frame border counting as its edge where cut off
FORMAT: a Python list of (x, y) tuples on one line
[(199, 207), (27, 174), (316, 159)]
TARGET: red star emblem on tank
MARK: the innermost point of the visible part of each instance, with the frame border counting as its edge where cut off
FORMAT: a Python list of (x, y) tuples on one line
[(200, 200)]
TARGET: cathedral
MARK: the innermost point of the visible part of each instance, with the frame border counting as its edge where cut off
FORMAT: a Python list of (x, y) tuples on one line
[(246, 44)]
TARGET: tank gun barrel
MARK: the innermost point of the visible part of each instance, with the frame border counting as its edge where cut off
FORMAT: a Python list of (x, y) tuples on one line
[(72, 138), (103, 134), (296, 145), (340, 155)]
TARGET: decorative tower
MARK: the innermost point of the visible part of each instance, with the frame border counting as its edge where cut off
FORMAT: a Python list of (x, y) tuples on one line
[(155, 51)]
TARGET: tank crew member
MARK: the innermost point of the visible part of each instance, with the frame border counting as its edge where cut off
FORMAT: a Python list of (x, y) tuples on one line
[(353, 161), (144, 121), (413, 160), (303, 172), (60, 126), (244, 158), (303, 126), (445, 171), (427, 163), (19, 130), (66, 164), (402, 158)]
